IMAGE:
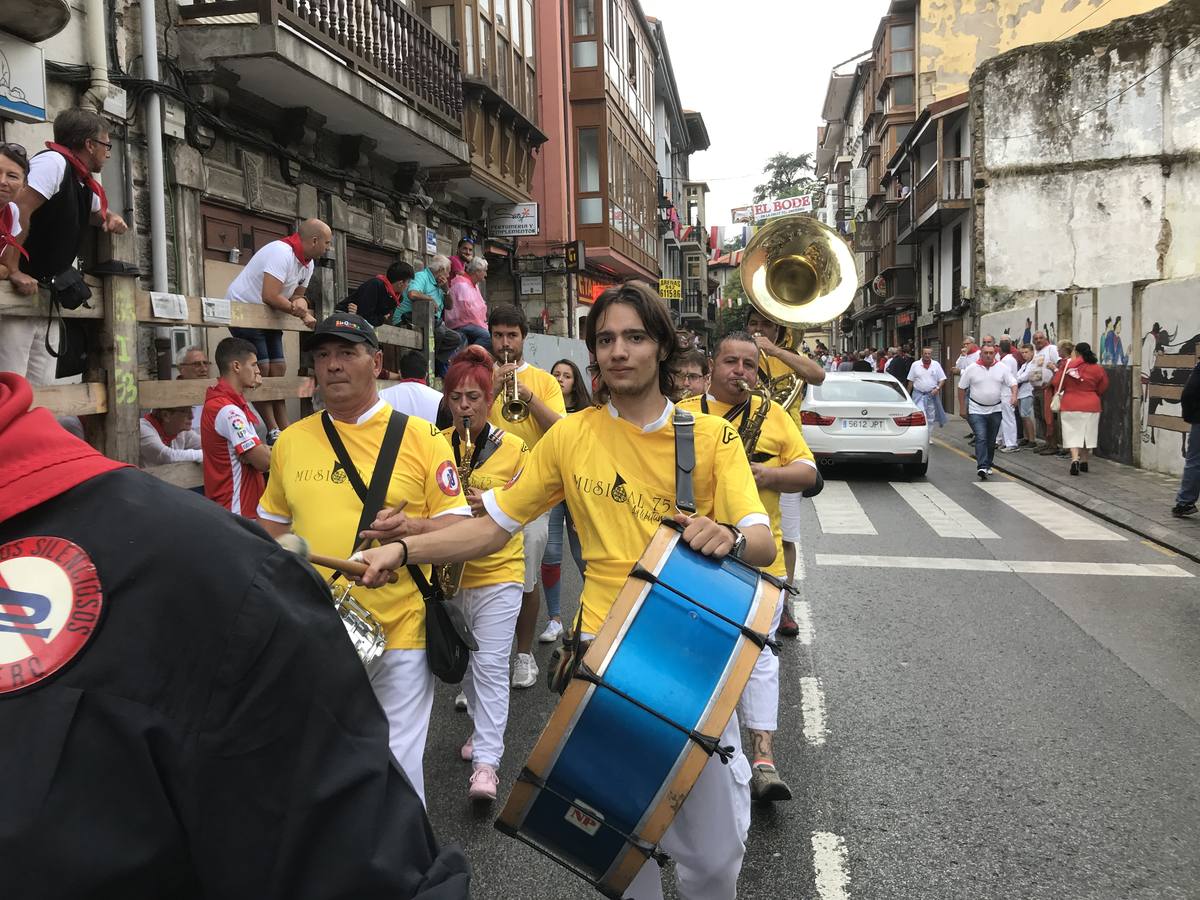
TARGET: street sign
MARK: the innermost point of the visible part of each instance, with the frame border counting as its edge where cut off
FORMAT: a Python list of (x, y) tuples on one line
[(576, 256), (879, 285), (513, 220), (532, 285), (22, 80), (430, 242), (670, 288)]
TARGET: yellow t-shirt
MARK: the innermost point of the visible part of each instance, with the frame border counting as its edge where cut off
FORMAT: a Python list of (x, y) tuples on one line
[(308, 490), (545, 387), (619, 482), (780, 443), (777, 368), (506, 460)]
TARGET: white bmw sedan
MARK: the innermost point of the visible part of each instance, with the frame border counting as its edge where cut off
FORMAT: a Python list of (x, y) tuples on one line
[(864, 417)]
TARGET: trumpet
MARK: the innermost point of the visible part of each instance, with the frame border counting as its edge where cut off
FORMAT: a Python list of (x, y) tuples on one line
[(449, 575), (513, 408)]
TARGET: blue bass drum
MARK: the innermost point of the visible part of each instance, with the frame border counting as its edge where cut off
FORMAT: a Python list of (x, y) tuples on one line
[(644, 712)]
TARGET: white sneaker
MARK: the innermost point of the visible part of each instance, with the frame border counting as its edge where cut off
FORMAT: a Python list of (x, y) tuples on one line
[(553, 630), (460, 702), (525, 672)]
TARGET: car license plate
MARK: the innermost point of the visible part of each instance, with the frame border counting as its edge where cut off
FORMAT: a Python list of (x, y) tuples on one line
[(862, 424)]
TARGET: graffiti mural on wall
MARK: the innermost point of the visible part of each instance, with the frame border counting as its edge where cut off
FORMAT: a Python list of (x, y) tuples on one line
[(1159, 343)]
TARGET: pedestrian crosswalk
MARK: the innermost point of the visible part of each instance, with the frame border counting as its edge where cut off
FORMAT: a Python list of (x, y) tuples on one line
[(941, 513), (1068, 525), (840, 512)]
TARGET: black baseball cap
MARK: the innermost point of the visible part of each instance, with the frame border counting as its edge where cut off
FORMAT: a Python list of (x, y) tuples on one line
[(348, 327)]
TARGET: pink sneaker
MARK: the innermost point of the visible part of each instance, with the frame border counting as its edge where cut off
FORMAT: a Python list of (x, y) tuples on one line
[(484, 783), (467, 751)]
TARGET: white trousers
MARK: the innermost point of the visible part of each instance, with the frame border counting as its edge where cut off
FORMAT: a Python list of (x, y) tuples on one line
[(789, 516), (1008, 422), (759, 705), (707, 838), (491, 611), (404, 687), (536, 534), (23, 348)]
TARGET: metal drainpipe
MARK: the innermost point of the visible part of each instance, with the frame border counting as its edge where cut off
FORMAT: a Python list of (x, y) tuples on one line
[(154, 149), (97, 54)]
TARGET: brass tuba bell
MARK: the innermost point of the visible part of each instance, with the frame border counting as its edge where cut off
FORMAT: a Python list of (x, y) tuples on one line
[(797, 271)]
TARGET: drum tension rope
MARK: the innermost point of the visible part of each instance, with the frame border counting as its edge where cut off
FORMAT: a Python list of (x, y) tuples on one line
[(759, 639), (648, 850), (708, 744)]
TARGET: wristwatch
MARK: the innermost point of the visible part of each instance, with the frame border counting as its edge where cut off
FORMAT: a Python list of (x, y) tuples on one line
[(739, 541)]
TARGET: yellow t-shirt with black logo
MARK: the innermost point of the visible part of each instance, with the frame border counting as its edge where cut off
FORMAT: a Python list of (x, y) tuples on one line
[(506, 460), (308, 490), (619, 482), (780, 443), (542, 385)]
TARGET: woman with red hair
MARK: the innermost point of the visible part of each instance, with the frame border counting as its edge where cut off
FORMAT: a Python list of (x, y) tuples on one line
[(491, 587)]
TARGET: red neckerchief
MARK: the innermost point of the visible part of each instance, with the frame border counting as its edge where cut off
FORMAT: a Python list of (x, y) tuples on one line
[(83, 174), (412, 380), (391, 290), (974, 348), (927, 363), (6, 227), (158, 426), (38, 458), (225, 390), (293, 241), (980, 362)]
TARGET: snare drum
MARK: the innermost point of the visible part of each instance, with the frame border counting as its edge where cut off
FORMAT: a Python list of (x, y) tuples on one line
[(638, 723)]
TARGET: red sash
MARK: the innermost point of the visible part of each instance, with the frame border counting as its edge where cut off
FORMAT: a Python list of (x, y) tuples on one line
[(293, 241), (83, 174), (162, 434), (6, 227)]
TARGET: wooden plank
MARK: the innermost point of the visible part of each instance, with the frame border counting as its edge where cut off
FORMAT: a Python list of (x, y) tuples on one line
[(182, 474), (118, 360), (1168, 423), (1174, 360), (86, 399), (399, 337), (38, 305), (1165, 391), (242, 315), (190, 391)]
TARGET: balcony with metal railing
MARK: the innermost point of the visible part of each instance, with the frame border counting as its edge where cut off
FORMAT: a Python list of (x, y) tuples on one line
[(339, 59)]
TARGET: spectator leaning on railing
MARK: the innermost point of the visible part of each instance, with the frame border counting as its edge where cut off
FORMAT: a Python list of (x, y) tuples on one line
[(468, 312), (165, 436), (430, 284)]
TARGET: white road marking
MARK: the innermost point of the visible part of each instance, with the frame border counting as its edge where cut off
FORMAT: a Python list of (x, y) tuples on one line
[(829, 865), (1063, 522), (800, 573), (1018, 566), (804, 621), (812, 706), (944, 516), (840, 512)]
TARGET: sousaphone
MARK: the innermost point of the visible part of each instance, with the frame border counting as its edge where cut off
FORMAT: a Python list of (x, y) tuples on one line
[(797, 271)]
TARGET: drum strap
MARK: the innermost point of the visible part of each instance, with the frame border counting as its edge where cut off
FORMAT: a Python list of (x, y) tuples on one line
[(685, 460)]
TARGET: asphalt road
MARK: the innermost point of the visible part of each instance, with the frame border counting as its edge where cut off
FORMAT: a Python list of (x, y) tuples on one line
[(992, 697)]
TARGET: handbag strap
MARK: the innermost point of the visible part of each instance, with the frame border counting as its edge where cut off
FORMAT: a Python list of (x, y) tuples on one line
[(685, 460), (1063, 378), (372, 497)]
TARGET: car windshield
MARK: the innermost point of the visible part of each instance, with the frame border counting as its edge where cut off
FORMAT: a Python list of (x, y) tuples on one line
[(867, 390)]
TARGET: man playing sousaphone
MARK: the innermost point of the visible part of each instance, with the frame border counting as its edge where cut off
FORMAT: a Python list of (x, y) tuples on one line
[(311, 493), (615, 467)]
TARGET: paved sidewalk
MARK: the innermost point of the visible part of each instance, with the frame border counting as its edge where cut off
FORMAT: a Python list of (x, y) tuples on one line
[(1133, 498)]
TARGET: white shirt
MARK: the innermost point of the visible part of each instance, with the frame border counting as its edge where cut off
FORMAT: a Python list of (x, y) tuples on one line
[(276, 259), (1024, 388), (16, 219), (967, 359), (413, 399), (46, 171), (923, 379), (184, 447), (1047, 358), (987, 386)]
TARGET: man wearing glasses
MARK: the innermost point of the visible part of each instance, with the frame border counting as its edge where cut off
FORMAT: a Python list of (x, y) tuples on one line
[(690, 376), (193, 363)]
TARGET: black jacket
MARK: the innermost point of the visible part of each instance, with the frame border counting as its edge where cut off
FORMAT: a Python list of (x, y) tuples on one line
[(1189, 400), (375, 304), (216, 738)]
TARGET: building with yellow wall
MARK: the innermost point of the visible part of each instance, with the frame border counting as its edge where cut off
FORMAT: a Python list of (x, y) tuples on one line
[(955, 36)]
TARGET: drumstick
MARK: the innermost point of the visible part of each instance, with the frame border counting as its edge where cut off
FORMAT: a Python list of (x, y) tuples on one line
[(296, 544)]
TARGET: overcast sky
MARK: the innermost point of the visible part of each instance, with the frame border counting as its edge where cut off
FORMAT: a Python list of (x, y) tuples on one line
[(757, 70)]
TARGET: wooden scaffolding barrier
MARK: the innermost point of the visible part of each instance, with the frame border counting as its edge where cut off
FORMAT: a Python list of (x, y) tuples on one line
[(112, 397)]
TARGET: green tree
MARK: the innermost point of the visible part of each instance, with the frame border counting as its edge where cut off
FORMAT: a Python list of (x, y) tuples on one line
[(786, 177)]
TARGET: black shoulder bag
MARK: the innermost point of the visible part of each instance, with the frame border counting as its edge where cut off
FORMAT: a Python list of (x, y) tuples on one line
[(565, 659), (448, 639)]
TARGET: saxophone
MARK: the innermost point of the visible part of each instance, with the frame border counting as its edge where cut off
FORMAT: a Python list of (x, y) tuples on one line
[(449, 575), (754, 425)]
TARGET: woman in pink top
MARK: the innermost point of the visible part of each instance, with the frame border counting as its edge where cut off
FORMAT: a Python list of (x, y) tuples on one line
[(466, 310), (1082, 382)]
